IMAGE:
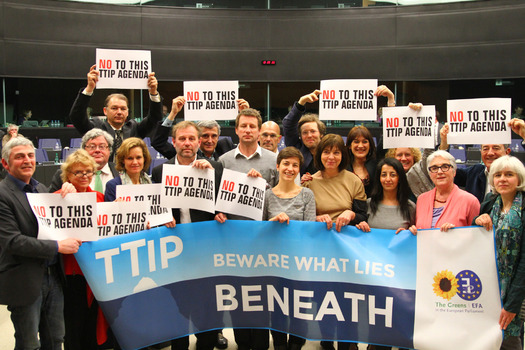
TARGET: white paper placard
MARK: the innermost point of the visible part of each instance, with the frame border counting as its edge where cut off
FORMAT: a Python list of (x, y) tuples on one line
[(479, 121), (70, 217), (119, 218), (149, 193), (188, 187), (211, 100), (349, 99), (405, 127), (241, 194), (123, 69)]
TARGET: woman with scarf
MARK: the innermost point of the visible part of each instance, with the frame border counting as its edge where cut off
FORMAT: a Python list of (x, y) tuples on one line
[(132, 160), (504, 209)]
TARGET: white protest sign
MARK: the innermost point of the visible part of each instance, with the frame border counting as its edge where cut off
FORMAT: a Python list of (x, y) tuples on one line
[(188, 187), (60, 218), (211, 100), (123, 69), (479, 121), (405, 127), (118, 218), (149, 193), (457, 289), (348, 99), (242, 195)]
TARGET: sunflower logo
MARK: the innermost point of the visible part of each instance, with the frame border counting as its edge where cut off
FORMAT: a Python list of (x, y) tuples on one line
[(445, 284)]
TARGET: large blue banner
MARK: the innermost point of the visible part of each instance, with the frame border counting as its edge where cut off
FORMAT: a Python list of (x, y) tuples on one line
[(299, 278)]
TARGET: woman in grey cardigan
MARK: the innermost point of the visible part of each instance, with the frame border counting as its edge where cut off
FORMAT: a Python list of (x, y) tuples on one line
[(288, 201)]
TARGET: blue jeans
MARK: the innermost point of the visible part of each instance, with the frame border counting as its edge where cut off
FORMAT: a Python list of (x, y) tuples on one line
[(45, 316)]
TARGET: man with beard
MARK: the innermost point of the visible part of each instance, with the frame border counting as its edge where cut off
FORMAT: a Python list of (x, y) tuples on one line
[(212, 147), (186, 140)]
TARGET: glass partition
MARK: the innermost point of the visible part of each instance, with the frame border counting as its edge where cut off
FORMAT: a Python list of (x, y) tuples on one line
[(270, 4), (51, 99)]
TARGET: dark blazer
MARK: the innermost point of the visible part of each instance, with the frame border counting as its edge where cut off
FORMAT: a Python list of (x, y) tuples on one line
[(292, 137), (23, 258), (161, 144), (56, 181), (196, 215), (111, 189), (473, 179), (131, 128)]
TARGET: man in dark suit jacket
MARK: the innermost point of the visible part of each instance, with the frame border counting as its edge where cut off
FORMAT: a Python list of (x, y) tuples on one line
[(474, 178), (29, 268), (186, 142), (304, 132), (98, 144), (116, 110), (211, 146)]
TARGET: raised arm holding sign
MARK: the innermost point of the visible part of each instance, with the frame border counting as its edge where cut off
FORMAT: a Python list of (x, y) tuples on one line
[(211, 100), (304, 131), (350, 99), (406, 127), (116, 109), (211, 146), (473, 121), (473, 178)]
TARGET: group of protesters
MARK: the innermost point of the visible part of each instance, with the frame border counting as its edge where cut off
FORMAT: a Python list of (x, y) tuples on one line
[(317, 177)]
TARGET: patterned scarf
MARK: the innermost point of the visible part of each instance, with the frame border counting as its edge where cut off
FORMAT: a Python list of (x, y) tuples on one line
[(508, 242), (126, 180)]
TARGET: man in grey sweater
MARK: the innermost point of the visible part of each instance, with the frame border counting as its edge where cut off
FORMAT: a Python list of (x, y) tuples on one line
[(249, 155), (250, 158)]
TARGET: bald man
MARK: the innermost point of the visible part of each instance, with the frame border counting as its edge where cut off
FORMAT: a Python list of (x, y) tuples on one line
[(270, 136)]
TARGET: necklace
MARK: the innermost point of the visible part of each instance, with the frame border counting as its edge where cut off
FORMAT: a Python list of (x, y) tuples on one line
[(437, 200)]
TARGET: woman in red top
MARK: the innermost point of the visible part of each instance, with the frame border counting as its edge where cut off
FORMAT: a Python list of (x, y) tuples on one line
[(83, 319)]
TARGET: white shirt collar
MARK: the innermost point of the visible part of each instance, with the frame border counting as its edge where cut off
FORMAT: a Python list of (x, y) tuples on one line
[(105, 169), (177, 160), (238, 152)]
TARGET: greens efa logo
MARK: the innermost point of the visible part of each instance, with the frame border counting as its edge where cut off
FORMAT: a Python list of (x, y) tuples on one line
[(466, 284)]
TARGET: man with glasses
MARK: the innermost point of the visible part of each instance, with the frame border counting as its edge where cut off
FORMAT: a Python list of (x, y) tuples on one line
[(98, 144), (474, 178), (270, 136), (304, 132)]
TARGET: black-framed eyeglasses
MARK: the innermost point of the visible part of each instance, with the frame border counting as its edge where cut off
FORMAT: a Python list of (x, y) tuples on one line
[(82, 174), (444, 168), (94, 147)]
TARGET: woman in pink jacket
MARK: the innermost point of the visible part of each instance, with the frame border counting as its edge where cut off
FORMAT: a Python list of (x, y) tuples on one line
[(446, 206)]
